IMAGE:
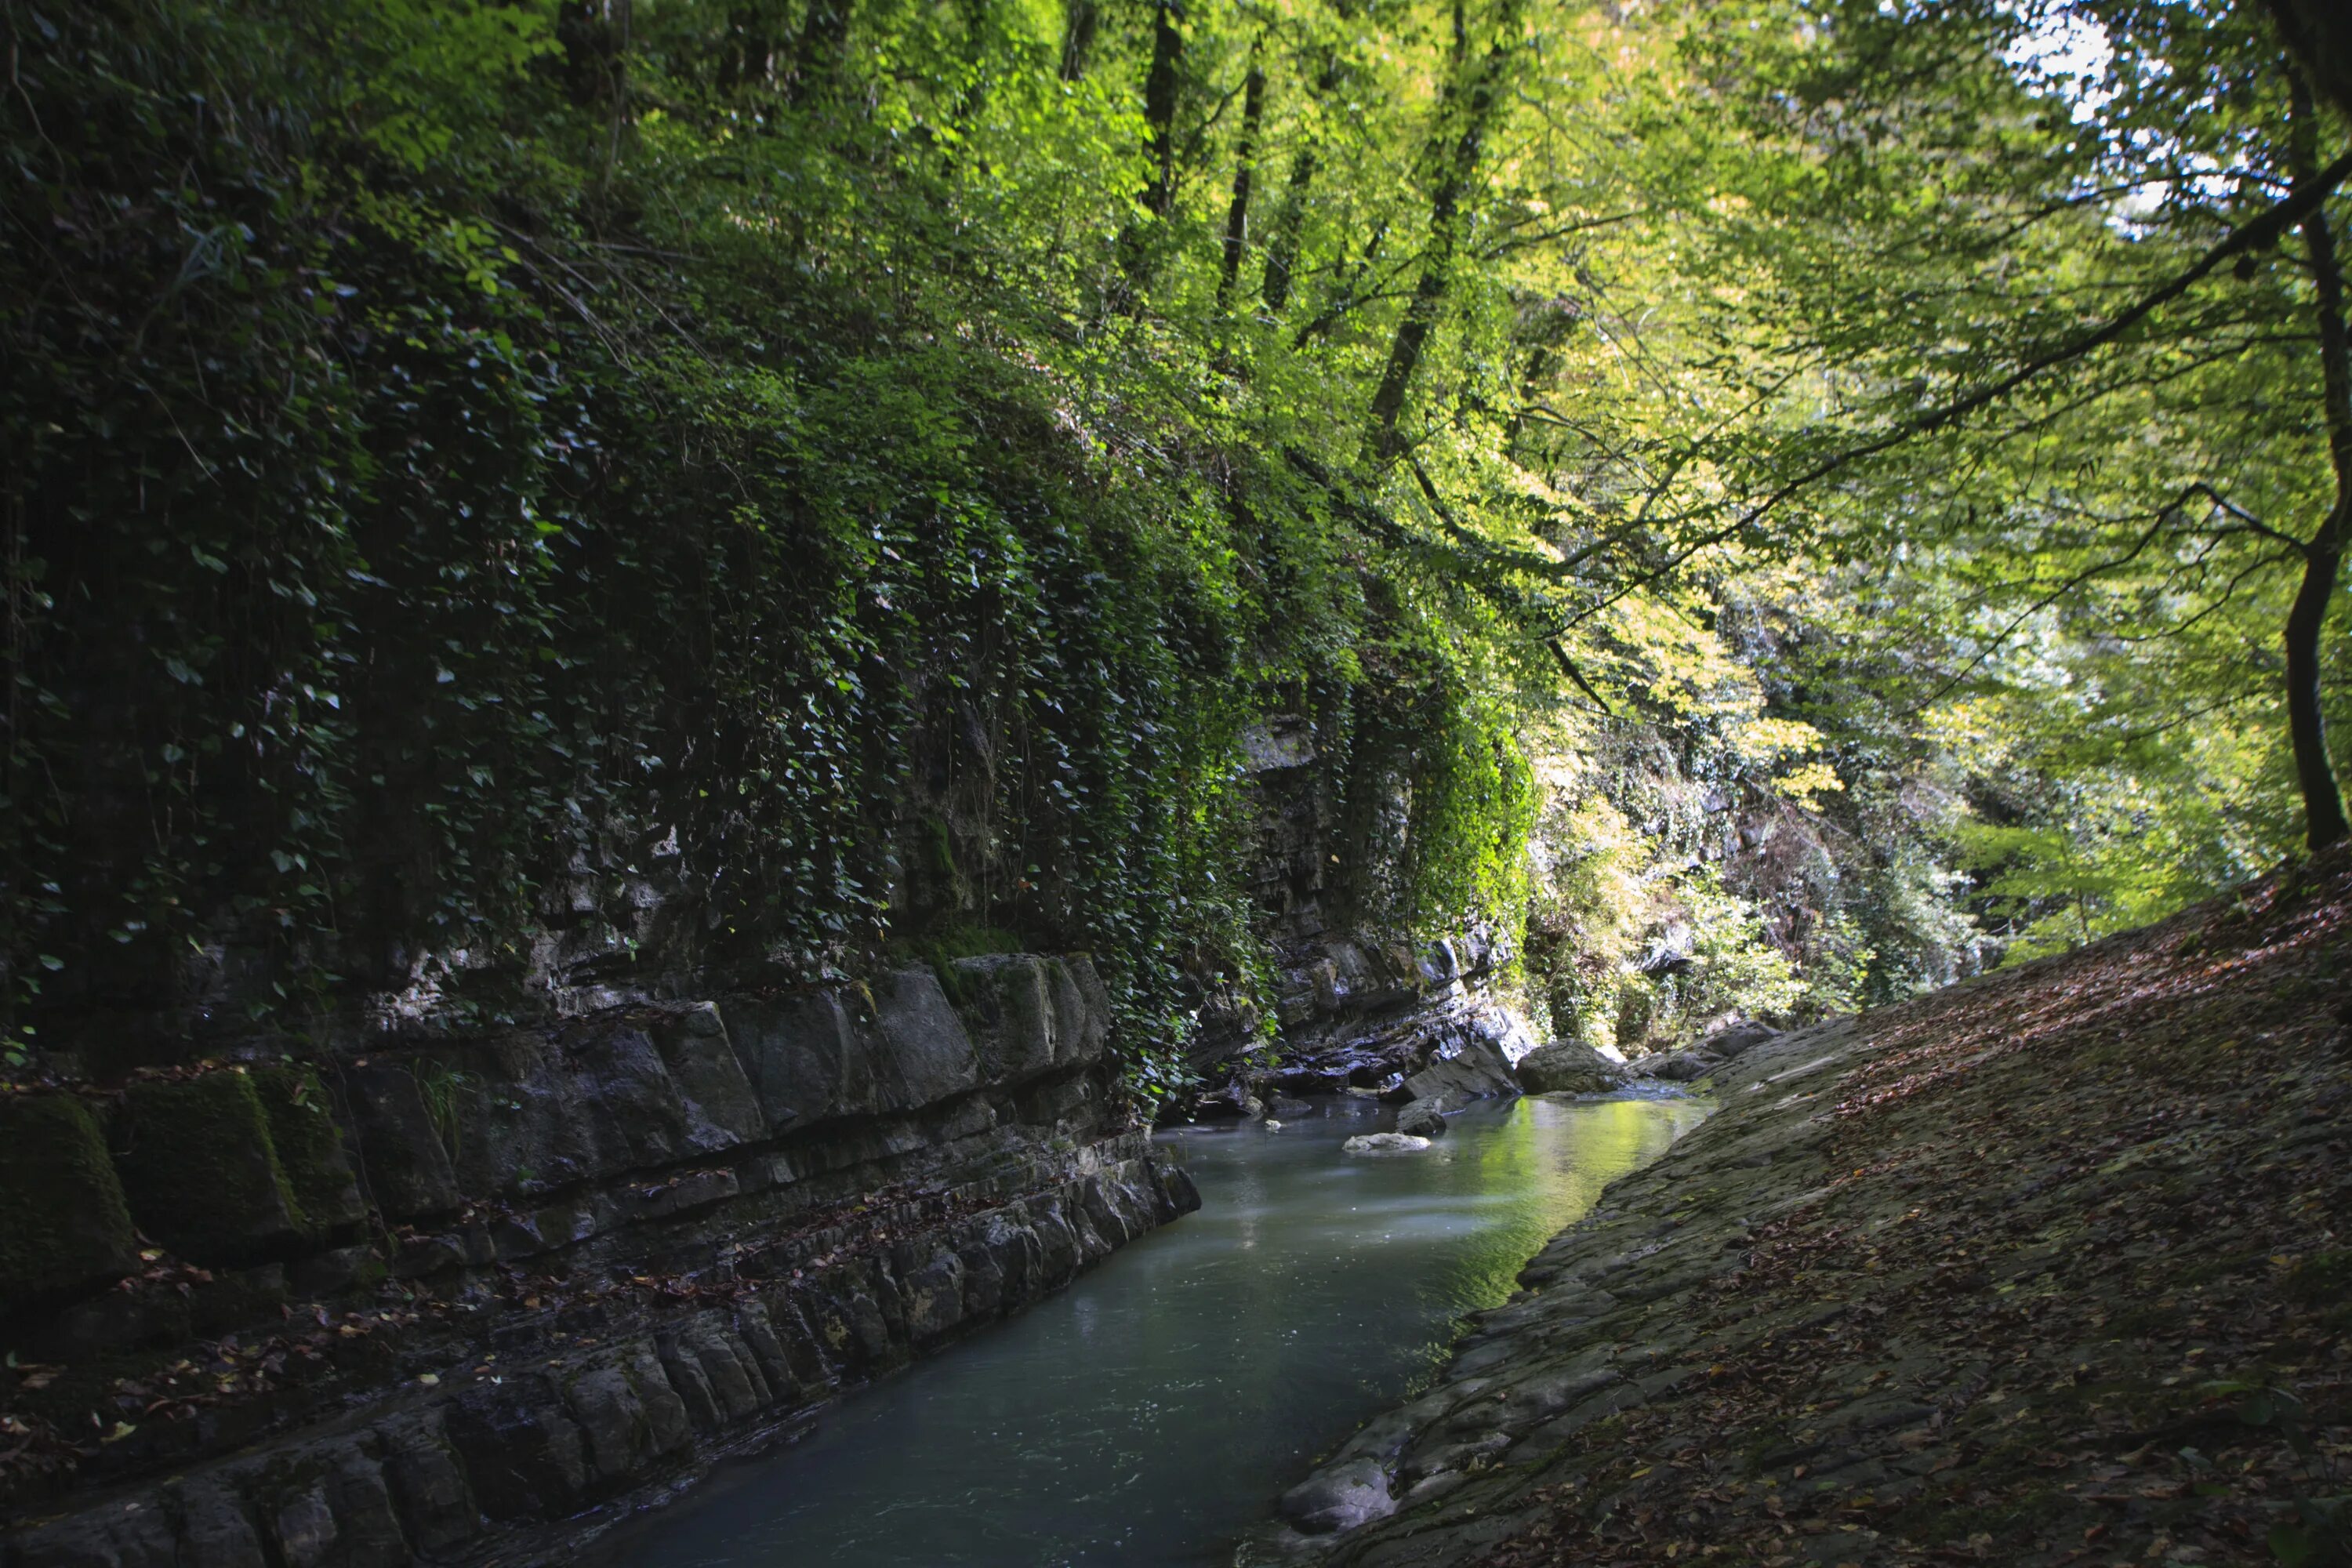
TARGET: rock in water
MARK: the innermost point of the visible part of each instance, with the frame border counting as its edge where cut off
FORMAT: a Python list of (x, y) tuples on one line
[(1234, 1099), (1423, 1118), (1683, 1067), (1383, 1144), (1478, 1068), (1567, 1066)]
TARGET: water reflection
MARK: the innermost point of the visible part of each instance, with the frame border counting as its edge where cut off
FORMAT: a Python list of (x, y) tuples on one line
[(1150, 1413)]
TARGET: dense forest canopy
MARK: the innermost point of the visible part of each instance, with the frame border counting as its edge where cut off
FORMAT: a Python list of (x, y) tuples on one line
[(1847, 491)]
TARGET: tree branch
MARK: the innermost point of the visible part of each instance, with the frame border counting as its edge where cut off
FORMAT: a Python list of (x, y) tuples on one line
[(2257, 233)]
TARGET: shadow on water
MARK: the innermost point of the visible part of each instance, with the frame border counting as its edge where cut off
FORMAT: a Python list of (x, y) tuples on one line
[(1154, 1410)]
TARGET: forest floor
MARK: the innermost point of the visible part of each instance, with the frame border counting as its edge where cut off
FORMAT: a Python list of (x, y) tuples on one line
[(2055, 1267)]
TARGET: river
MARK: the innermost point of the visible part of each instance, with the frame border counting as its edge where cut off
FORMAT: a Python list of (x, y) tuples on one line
[(1153, 1411)]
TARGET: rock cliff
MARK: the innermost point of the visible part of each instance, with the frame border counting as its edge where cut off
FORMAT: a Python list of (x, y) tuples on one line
[(1355, 1005), (438, 1299)]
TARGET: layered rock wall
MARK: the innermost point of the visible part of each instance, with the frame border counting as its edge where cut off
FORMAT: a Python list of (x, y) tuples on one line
[(1355, 1006), (434, 1299)]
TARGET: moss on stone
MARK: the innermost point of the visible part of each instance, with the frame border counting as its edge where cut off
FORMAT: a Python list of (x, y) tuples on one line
[(310, 1146), (202, 1172), (63, 1222), (959, 941), (938, 850)]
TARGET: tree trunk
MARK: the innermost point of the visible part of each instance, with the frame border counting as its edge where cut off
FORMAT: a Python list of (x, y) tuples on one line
[(1281, 249), (2318, 34), (1160, 93), (2323, 803), (1077, 37), (746, 55), (1290, 219), (1245, 169), (1469, 106), (824, 37), (1163, 88)]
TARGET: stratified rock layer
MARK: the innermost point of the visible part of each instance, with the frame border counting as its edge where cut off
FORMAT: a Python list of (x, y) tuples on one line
[(592, 1259)]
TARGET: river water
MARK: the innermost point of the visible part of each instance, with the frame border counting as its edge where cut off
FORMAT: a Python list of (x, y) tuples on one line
[(1152, 1412)]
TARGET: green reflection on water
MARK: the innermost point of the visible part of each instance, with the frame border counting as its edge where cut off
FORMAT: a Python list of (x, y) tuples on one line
[(1560, 1157), (1151, 1413)]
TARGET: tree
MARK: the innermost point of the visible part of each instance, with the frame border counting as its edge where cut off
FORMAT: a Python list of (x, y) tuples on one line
[(1989, 279)]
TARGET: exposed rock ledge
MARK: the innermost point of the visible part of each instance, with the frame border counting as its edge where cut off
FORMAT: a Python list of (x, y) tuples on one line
[(592, 1259), (2048, 1267)]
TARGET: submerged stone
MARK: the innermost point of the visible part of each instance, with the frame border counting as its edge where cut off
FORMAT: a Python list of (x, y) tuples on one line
[(1342, 1497), (1383, 1144)]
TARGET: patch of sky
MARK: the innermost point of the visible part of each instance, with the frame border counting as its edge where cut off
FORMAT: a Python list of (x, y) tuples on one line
[(2063, 51)]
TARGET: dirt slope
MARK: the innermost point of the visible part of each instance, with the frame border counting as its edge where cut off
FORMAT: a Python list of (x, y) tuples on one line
[(2049, 1267)]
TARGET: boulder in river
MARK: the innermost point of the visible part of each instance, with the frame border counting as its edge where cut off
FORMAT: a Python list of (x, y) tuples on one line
[(1383, 1144), (1477, 1066), (1423, 1118), (1232, 1100), (1678, 1066), (1568, 1067)]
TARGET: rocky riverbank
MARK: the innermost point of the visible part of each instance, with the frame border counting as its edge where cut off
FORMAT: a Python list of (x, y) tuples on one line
[(450, 1300), (2047, 1268)]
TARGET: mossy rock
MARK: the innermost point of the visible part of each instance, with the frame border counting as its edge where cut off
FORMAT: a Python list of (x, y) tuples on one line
[(946, 951), (408, 1169), (202, 1171), (310, 1147), (63, 1222)]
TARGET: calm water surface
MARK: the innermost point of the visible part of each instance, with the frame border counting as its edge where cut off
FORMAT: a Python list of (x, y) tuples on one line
[(1154, 1410)]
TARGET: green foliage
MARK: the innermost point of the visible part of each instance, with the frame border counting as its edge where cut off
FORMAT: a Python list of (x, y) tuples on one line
[(1590, 900), (508, 466), (493, 470), (1730, 968), (1474, 802), (1734, 967), (2060, 602)]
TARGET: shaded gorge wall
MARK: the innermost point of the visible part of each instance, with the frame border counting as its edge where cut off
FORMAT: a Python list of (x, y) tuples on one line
[(411, 1307)]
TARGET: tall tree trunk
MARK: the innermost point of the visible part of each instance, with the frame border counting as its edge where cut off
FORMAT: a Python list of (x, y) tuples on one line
[(2323, 803), (1244, 170), (1289, 222), (2318, 34), (746, 54), (1468, 111), (1160, 94), (824, 37), (1079, 24), (1163, 88), (1290, 219)]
